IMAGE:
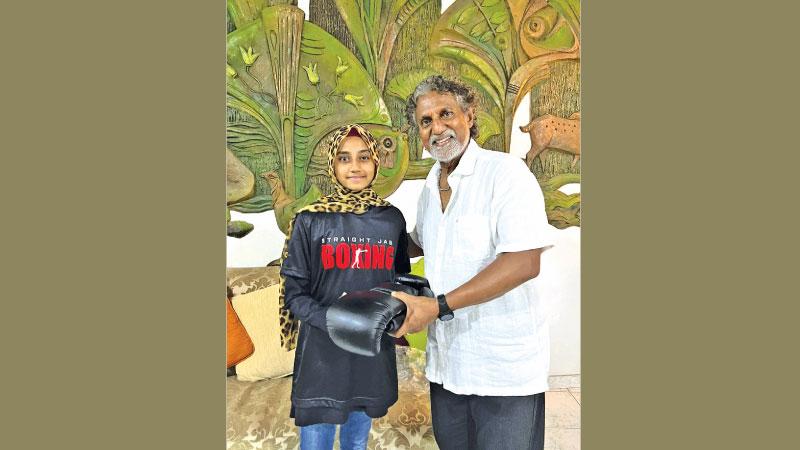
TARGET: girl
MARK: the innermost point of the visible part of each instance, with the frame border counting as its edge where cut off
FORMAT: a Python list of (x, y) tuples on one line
[(349, 241)]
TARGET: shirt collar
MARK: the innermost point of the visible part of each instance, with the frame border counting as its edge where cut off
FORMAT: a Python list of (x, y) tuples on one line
[(465, 166)]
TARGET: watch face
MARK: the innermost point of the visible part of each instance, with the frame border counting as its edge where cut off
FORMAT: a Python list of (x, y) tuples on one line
[(446, 317)]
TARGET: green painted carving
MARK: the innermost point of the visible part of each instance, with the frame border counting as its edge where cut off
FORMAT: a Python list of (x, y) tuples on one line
[(394, 154), (399, 37), (393, 151), (418, 169), (401, 87), (284, 205), (487, 127), (563, 210), (478, 34), (237, 228), (550, 38), (256, 204), (374, 26), (282, 27), (404, 84), (504, 47), (556, 100), (289, 84), (549, 31), (242, 12), (343, 93), (240, 182)]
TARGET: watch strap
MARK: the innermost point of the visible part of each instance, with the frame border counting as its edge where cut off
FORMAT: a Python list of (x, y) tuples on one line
[(444, 308)]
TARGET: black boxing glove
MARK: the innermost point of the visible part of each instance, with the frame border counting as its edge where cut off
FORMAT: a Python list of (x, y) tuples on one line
[(411, 285), (420, 284), (357, 321)]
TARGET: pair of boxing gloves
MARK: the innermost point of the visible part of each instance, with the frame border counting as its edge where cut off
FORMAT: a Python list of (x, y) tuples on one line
[(357, 321)]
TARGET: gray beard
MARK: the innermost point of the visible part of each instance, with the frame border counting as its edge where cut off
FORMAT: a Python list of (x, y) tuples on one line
[(450, 151)]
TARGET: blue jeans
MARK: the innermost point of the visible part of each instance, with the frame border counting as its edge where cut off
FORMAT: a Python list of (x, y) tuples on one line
[(353, 434)]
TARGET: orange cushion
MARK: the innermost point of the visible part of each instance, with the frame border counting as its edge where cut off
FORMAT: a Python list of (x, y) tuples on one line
[(240, 346)]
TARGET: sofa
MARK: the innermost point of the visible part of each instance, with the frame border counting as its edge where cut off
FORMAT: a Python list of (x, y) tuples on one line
[(257, 395), (257, 411)]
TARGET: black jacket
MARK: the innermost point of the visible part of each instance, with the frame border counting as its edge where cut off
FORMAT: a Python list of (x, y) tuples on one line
[(328, 382)]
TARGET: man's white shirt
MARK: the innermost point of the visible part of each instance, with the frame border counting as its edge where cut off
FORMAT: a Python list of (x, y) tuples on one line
[(500, 347)]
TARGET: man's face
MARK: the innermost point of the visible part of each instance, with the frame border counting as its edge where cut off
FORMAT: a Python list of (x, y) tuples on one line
[(443, 125)]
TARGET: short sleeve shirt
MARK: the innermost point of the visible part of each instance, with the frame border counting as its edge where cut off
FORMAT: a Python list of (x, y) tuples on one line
[(500, 347)]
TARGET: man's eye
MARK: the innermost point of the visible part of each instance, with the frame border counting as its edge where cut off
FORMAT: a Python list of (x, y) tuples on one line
[(447, 114), (425, 122)]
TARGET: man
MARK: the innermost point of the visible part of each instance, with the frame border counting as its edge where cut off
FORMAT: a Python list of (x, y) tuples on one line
[(482, 226)]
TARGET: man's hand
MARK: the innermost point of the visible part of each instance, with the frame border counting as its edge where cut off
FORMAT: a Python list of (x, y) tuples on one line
[(420, 311)]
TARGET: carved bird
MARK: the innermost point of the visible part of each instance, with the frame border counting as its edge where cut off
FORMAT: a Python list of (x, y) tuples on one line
[(283, 204)]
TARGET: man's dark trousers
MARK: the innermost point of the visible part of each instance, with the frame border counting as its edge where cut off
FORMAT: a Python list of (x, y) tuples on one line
[(476, 422)]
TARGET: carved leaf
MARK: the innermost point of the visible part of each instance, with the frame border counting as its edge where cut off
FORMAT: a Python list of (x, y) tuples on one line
[(239, 228), (481, 84), (498, 17), (563, 210), (239, 180), (560, 39), (243, 12), (407, 10), (571, 11), (487, 127), (322, 108), (467, 15), (257, 204), (479, 33), (404, 84), (480, 28), (248, 138), (363, 39)]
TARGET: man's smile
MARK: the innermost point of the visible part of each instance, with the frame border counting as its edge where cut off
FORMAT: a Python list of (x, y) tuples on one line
[(442, 141)]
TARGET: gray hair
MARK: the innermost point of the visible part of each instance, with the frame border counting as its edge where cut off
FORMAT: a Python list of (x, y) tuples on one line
[(437, 83)]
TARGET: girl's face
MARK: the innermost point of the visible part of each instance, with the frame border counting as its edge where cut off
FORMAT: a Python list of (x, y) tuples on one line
[(353, 165)]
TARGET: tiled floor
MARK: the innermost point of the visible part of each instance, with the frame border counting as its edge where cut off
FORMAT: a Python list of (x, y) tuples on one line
[(562, 424)]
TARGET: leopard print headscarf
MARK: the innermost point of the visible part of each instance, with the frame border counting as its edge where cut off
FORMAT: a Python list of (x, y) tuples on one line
[(343, 200)]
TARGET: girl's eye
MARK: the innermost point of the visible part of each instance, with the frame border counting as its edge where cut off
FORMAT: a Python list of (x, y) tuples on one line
[(342, 159)]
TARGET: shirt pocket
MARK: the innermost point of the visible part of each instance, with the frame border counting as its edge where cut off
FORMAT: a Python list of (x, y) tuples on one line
[(472, 240)]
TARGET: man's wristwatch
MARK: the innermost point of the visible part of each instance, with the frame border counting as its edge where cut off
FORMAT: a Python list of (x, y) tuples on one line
[(445, 313)]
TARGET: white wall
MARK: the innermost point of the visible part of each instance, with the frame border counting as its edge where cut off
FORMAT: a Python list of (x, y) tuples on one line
[(559, 280)]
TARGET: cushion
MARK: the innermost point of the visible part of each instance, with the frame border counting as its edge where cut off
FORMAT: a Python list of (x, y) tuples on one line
[(239, 345), (258, 311)]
